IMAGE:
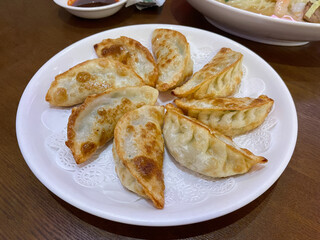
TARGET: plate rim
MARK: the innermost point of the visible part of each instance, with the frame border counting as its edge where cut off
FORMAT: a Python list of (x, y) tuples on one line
[(168, 222)]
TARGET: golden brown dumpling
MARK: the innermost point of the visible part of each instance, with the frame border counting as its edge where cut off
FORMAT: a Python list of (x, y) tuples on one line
[(126, 178), (138, 149), (173, 58), (219, 78), (230, 116), (203, 150), (132, 53), (92, 123), (90, 77)]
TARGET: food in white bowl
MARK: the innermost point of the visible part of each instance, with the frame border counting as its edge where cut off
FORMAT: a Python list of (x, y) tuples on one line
[(276, 22), (295, 10), (91, 9)]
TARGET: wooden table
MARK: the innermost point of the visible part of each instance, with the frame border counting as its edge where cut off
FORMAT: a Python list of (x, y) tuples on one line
[(33, 31)]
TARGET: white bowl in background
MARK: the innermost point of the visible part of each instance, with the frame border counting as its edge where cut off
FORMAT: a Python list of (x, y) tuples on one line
[(92, 12), (257, 27)]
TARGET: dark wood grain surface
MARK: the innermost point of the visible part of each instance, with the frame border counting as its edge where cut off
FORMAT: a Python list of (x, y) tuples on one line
[(33, 31)]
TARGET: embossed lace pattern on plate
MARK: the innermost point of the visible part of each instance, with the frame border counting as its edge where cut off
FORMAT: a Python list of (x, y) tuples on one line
[(182, 186)]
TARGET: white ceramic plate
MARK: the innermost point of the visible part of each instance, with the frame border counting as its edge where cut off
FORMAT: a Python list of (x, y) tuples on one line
[(257, 27), (94, 187)]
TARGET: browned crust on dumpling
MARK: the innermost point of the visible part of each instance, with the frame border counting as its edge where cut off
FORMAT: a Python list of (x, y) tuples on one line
[(125, 50), (89, 147), (179, 70), (106, 116), (146, 163), (85, 81)]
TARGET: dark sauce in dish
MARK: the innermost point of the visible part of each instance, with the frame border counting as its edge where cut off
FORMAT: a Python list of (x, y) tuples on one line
[(92, 3)]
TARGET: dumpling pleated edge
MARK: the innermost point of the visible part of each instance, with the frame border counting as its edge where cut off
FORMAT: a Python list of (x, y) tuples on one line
[(204, 150), (220, 77), (230, 116)]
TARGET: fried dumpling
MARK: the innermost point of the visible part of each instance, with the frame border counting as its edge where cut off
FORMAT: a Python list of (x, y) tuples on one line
[(92, 123), (132, 53), (203, 150), (172, 52), (230, 116), (138, 148), (90, 77), (219, 78)]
